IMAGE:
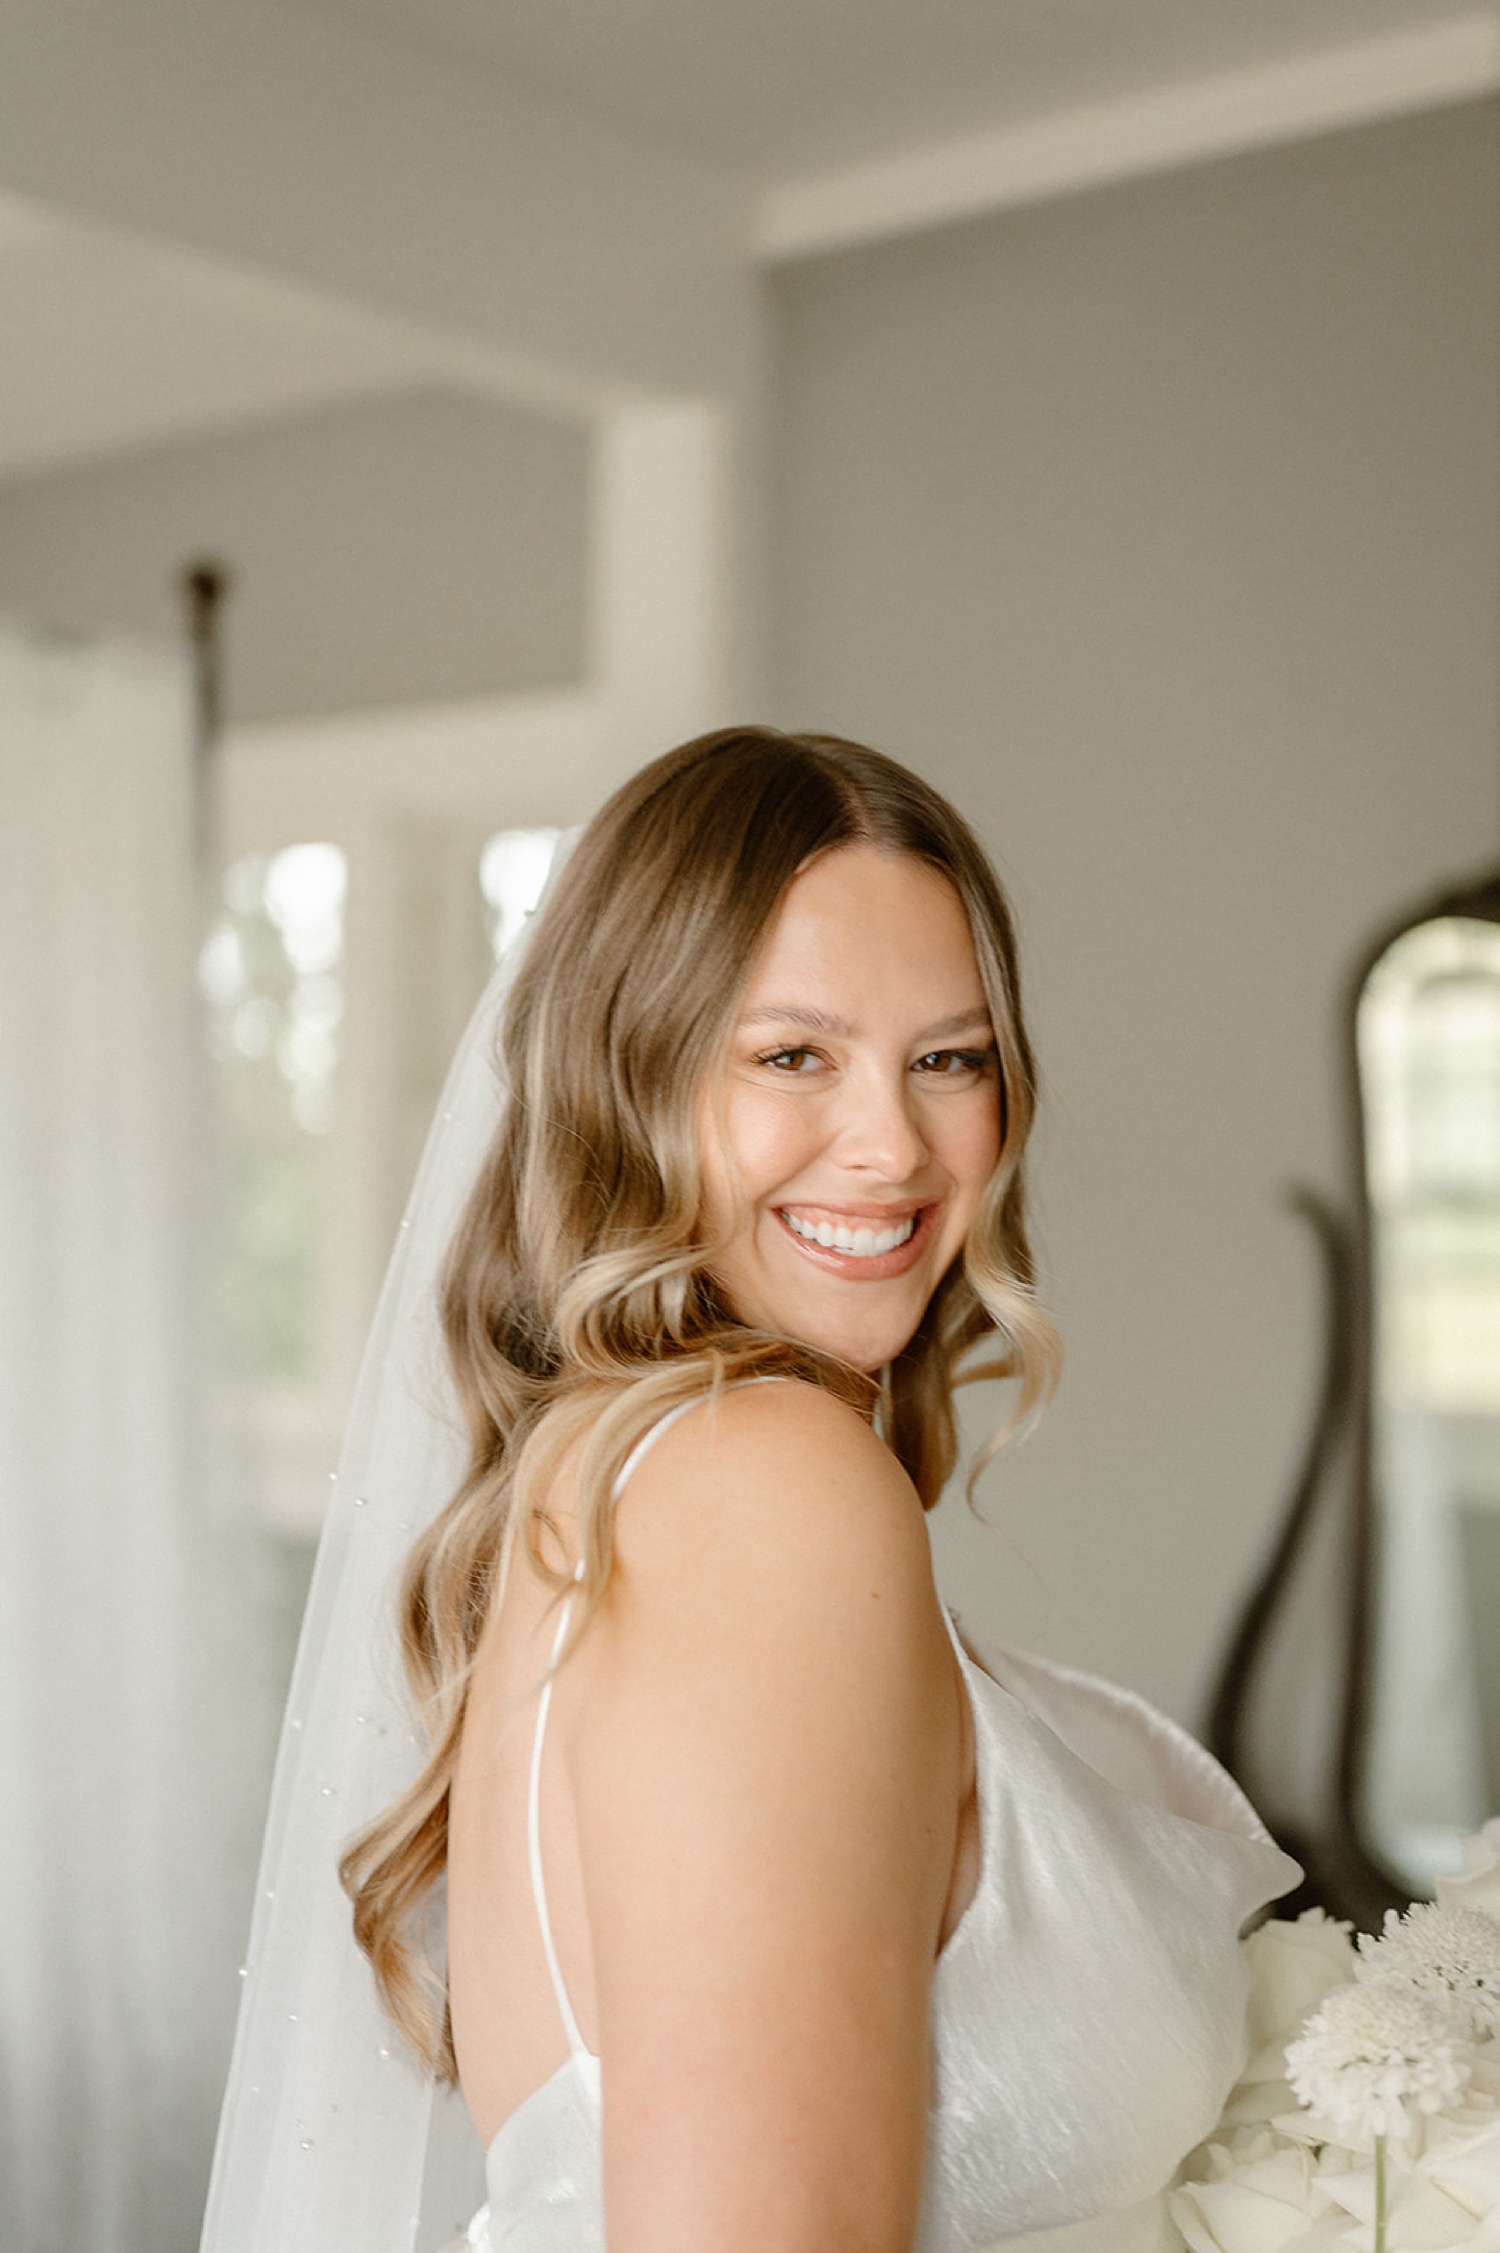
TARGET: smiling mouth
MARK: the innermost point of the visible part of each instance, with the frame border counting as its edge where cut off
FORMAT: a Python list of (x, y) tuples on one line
[(854, 1241), (861, 1247)]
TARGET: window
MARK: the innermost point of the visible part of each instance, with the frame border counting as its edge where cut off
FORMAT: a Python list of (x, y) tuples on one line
[(512, 871), (271, 974), (1429, 1036), (373, 861)]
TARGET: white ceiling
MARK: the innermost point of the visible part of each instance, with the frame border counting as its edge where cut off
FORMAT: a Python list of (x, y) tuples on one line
[(113, 341), (770, 88)]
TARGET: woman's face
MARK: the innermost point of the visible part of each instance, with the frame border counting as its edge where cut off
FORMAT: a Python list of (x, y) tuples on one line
[(848, 1140)]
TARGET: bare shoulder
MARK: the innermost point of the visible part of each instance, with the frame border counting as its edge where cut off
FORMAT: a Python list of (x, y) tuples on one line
[(775, 1521), (781, 1470)]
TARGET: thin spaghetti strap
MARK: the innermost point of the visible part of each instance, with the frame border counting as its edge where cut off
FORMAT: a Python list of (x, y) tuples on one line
[(653, 1433), (648, 1440), (642, 1447), (576, 2042)]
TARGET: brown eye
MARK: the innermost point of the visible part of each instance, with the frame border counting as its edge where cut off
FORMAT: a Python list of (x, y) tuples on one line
[(790, 1060), (955, 1063)]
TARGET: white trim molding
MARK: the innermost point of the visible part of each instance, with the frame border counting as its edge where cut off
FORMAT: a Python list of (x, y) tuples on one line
[(522, 761), (1456, 60)]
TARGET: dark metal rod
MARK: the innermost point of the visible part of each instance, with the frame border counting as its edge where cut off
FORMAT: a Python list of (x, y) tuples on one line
[(205, 586), (1230, 1708)]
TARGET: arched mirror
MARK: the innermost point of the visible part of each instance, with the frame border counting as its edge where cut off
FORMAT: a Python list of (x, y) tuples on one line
[(1402, 1464), (1427, 1058)]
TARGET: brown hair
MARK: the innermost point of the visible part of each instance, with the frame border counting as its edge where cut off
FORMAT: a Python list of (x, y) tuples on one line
[(578, 1297)]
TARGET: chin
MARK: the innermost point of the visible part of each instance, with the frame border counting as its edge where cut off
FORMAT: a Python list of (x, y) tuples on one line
[(865, 1337), (871, 1356), (865, 1349)]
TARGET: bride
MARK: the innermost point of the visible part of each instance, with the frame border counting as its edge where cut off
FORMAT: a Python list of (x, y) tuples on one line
[(774, 1923)]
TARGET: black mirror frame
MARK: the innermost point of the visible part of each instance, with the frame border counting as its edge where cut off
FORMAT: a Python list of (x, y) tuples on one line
[(1345, 1872)]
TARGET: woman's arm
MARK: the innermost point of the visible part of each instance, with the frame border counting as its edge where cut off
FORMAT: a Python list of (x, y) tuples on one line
[(767, 1772)]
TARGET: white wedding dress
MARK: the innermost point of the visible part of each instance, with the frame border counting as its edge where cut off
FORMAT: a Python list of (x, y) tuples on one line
[(1087, 2014)]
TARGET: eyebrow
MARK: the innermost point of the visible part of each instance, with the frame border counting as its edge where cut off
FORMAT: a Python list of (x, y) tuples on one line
[(815, 1021)]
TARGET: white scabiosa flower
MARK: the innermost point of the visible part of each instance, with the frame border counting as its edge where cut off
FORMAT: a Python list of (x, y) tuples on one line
[(1452, 1956), (1372, 2056)]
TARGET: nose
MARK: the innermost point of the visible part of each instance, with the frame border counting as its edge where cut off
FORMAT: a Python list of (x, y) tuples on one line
[(879, 1133)]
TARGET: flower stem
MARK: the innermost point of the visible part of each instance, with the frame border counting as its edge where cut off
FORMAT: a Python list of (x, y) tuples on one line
[(1380, 2194)]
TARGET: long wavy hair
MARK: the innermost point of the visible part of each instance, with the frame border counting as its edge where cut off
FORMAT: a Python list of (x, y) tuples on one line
[(578, 1298)]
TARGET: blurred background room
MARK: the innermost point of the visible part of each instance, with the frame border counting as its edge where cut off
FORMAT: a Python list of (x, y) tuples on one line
[(414, 414)]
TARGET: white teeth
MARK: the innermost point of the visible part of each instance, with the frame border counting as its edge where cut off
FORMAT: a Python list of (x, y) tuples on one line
[(858, 1243)]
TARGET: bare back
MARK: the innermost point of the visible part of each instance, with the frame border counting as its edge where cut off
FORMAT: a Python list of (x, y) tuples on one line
[(757, 1779)]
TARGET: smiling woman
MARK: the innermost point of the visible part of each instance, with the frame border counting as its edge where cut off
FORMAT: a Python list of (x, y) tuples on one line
[(851, 1155), (774, 1923)]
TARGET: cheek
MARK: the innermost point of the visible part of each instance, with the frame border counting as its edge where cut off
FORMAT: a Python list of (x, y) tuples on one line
[(769, 1137), (745, 1148), (972, 1147)]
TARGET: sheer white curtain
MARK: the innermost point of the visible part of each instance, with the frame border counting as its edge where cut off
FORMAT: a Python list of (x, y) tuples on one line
[(124, 1854)]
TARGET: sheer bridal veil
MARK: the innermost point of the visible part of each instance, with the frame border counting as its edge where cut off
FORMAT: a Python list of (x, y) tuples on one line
[(332, 2139)]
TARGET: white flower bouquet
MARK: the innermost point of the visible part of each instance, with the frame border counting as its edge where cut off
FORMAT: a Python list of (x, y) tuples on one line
[(1368, 2116)]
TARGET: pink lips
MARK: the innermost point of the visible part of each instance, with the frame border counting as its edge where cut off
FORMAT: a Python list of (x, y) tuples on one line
[(875, 1267)]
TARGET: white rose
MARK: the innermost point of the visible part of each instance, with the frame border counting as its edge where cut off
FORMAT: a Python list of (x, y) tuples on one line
[(1477, 1884), (1264, 2200), (1292, 1967), (1419, 2211)]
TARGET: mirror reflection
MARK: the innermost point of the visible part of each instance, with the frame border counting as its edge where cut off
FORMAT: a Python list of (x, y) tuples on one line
[(1429, 1060)]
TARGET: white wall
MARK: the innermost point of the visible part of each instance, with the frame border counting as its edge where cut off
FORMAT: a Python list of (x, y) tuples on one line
[(1159, 527), (389, 551)]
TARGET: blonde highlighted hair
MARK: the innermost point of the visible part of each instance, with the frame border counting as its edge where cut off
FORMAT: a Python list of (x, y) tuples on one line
[(578, 1297)]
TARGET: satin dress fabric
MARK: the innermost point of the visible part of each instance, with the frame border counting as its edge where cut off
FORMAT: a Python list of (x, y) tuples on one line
[(1087, 2013)]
